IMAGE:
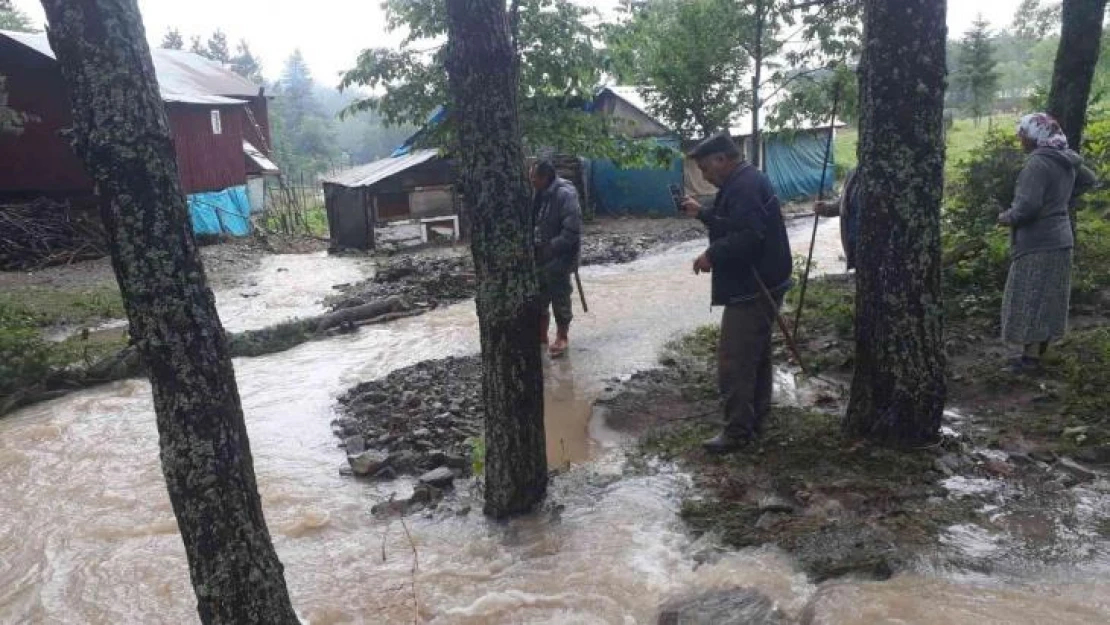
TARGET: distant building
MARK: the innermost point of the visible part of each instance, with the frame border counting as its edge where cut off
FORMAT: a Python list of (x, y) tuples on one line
[(219, 122)]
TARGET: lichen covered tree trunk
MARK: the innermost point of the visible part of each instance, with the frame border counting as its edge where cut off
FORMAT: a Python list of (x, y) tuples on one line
[(1076, 58), (121, 134), (482, 78), (899, 388)]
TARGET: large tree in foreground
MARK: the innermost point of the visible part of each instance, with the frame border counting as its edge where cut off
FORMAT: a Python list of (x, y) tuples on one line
[(121, 134), (899, 388), (482, 67), (1076, 59)]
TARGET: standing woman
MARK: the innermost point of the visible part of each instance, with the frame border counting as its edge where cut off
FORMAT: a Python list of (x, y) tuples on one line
[(1038, 290)]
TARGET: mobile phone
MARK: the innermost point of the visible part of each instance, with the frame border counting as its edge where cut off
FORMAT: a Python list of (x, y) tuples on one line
[(677, 197)]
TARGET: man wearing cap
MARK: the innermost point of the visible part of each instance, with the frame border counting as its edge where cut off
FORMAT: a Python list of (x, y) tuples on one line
[(558, 245), (748, 250)]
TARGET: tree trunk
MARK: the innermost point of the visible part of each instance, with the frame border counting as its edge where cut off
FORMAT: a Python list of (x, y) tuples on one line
[(482, 77), (1076, 58), (899, 388), (121, 134)]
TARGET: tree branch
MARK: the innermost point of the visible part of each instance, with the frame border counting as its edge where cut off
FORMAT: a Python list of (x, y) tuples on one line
[(784, 85), (811, 3)]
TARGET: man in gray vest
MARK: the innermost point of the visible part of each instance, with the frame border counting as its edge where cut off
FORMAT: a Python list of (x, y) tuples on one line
[(558, 235)]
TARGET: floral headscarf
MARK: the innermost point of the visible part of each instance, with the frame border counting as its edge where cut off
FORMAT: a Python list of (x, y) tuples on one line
[(1043, 129)]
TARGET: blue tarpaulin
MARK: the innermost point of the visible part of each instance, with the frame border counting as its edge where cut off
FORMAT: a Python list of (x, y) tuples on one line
[(634, 191), (221, 212), (794, 165)]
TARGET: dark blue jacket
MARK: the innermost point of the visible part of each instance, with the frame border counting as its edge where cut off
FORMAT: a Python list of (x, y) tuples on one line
[(746, 230)]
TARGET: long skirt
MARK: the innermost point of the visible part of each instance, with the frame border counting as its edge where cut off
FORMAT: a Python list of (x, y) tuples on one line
[(1038, 293)]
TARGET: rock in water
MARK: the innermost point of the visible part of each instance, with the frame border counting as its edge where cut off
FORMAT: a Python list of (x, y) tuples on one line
[(368, 462), (440, 478), (740, 606), (355, 445)]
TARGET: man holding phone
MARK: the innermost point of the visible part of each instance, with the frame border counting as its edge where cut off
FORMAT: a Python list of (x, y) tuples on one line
[(748, 245)]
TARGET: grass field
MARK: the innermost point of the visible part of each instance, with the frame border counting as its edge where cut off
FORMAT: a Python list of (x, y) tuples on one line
[(962, 139)]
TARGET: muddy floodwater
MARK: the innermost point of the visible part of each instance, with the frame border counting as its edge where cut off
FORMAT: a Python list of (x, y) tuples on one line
[(88, 535)]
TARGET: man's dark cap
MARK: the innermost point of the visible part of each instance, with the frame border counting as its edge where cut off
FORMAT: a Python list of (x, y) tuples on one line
[(719, 144)]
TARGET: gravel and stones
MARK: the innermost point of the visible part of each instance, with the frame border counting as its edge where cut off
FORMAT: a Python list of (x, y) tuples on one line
[(415, 420)]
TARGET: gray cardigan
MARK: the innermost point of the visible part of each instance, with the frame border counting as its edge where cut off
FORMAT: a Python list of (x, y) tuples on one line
[(1039, 215)]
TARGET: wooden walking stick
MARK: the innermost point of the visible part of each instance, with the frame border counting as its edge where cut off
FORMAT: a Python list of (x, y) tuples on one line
[(581, 293), (816, 213), (782, 322)]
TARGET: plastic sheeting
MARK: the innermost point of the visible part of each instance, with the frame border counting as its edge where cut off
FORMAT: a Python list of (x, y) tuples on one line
[(221, 212), (794, 165), (619, 191)]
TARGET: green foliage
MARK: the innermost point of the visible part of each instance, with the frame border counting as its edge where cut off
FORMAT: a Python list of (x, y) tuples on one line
[(14, 19), (982, 186), (24, 355), (1035, 19), (976, 78), (304, 136), (560, 66), (696, 88), (477, 446), (173, 40), (218, 49), (695, 59), (246, 64)]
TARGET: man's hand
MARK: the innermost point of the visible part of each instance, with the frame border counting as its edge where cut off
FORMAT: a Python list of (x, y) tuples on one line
[(1003, 219), (690, 206), (702, 264)]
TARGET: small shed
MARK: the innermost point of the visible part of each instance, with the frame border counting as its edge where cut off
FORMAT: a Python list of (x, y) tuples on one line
[(415, 186)]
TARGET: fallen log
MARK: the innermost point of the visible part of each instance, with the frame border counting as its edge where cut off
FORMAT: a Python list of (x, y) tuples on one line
[(126, 364), (358, 314)]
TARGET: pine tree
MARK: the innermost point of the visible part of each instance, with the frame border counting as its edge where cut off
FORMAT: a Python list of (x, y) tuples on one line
[(13, 19), (218, 49), (246, 64), (976, 77), (120, 133), (173, 40), (196, 46)]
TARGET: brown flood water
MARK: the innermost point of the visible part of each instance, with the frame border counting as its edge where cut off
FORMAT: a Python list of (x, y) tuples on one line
[(88, 535)]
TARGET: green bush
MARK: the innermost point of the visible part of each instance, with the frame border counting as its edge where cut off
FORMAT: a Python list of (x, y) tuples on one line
[(24, 355)]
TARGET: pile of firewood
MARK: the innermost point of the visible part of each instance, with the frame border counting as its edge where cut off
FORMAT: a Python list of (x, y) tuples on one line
[(45, 232)]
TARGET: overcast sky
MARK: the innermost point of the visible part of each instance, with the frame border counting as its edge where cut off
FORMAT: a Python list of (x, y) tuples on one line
[(331, 33)]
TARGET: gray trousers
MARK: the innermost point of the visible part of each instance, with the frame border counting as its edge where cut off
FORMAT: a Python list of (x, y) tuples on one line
[(744, 373), (555, 294)]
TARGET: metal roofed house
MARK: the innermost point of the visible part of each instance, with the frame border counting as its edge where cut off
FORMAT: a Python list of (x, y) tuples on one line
[(792, 156), (219, 122), (413, 185)]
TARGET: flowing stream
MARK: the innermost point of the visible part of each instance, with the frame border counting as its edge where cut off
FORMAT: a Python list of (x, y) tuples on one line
[(88, 535)]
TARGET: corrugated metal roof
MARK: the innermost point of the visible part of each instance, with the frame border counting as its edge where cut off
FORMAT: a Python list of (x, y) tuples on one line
[(741, 124), (260, 159), (180, 74), (214, 100), (373, 173)]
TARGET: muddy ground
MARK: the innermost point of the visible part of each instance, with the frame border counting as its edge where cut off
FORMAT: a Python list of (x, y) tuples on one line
[(1018, 479), (438, 276)]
